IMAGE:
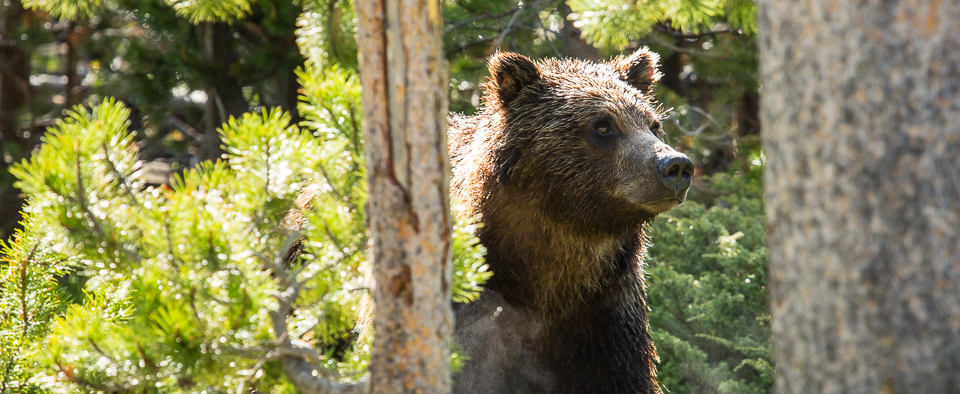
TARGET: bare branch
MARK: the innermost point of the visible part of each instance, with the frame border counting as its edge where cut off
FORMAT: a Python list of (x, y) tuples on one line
[(684, 51), (679, 34), (304, 375), (186, 128), (478, 18), (509, 29)]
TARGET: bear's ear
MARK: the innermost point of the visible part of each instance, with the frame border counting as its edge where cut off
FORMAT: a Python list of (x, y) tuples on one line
[(510, 73), (639, 69)]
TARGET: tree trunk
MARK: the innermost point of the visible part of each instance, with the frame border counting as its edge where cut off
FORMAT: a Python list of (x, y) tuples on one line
[(861, 108), (404, 106), (571, 44), (14, 97), (14, 75), (225, 91), (71, 40)]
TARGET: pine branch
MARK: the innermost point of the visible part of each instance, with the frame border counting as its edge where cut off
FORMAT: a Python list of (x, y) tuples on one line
[(298, 370)]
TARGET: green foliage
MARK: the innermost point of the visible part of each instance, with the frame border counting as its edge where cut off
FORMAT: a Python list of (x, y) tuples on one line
[(742, 13), (30, 298), (185, 283), (706, 281), (326, 33), (614, 24), (469, 270), (158, 57), (211, 10), (64, 10), (177, 277)]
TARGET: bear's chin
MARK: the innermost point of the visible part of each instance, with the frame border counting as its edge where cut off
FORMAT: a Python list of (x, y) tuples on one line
[(659, 206)]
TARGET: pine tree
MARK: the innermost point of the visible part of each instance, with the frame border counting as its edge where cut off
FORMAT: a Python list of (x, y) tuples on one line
[(186, 286)]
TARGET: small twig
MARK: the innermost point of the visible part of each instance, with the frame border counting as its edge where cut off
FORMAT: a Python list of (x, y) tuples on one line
[(97, 348), (187, 128), (330, 234), (193, 305), (684, 50), (6, 374), (707, 114), (276, 268), (218, 101), (253, 374), (509, 29), (23, 288), (539, 25), (167, 231), (333, 188), (302, 373), (276, 265), (471, 44), (680, 34), (512, 23), (694, 133), (82, 201), (127, 188), (471, 21), (298, 285), (355, 136)]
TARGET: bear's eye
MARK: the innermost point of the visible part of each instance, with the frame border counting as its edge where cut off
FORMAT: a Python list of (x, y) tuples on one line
[(602, 128)]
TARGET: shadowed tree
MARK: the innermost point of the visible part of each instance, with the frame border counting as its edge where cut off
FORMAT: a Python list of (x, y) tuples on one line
[(861, 104)]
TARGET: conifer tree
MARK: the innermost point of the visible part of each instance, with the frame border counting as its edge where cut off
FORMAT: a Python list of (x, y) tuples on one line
[(187, 287)]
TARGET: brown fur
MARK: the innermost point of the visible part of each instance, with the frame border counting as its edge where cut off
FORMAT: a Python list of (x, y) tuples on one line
[(563, 208)]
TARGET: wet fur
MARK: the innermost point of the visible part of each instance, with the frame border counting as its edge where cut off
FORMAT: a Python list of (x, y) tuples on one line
[(563, 213)]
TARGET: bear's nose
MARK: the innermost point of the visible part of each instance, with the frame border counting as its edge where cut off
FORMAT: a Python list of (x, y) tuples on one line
[(676, 169)]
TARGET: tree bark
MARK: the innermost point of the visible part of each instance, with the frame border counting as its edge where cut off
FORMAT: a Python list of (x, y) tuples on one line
[(405, 107), (14, 74), (571, 44), (15, 95), (861, 108)]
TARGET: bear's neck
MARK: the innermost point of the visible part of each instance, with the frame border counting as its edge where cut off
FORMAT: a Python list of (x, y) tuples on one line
[(551, 267)]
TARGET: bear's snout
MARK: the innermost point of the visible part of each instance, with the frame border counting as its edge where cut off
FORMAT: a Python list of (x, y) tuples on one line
[(675, 170)]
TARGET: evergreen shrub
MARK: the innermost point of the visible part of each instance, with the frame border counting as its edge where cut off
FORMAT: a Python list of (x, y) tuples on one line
[(707, 289)]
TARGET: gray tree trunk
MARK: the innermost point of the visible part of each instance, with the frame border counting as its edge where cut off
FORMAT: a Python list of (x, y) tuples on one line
[(405, 107), (861, 115), (571, 44)]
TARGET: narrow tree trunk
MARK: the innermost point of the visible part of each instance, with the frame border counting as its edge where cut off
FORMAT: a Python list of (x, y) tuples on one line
[(404, 106), (571, 44), (14, 97), (225, 91), (71, 62), (861, 109), (14, 74)]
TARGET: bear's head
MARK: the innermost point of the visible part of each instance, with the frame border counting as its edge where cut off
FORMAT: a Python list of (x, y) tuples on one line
[(583, 140)]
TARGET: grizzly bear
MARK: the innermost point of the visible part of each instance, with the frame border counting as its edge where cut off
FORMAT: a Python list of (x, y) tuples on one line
[(564, 164)]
